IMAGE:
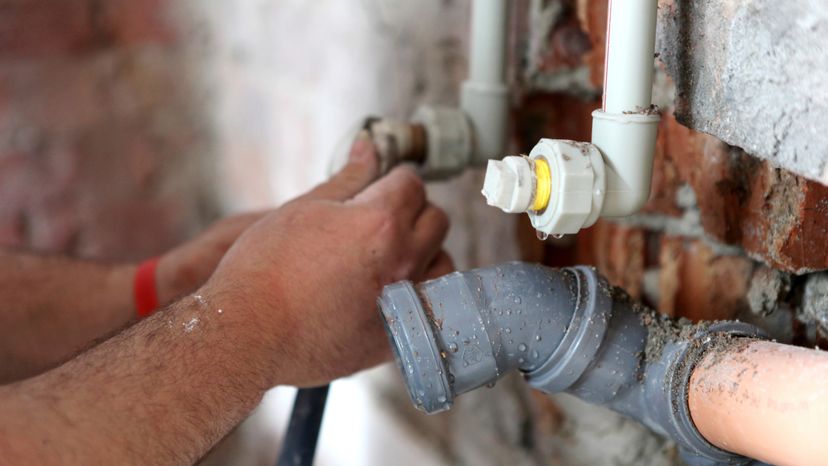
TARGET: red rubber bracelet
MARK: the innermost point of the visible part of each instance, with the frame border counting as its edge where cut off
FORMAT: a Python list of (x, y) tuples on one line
[(144, 290)]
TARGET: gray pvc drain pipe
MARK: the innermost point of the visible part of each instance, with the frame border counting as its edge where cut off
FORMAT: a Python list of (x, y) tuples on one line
[(566, 330)]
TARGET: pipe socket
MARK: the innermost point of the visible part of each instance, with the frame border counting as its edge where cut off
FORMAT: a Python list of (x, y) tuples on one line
[(449, 141), (564, 197), (566, 330), (627, 143)]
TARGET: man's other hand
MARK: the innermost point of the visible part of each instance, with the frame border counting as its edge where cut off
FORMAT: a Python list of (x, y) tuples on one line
[(187, 267), (309, 273)]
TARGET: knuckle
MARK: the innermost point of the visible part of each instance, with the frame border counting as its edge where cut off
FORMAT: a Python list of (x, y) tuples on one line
[(385, 221), (441, 219), (406, 270), (351, 174), (410, 180)]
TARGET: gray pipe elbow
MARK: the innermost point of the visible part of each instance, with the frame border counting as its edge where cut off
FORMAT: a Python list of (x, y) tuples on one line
[(566, 330), (465, 330)]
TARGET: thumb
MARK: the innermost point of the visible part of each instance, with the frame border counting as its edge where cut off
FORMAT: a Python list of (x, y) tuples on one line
[(360, 171)]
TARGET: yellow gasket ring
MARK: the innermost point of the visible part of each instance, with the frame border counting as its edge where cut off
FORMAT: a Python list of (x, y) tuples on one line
[(543, 185)]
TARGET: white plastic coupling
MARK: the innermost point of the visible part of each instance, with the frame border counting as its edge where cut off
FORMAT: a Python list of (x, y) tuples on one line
[(578, 186), (449, 141), (568, 175)]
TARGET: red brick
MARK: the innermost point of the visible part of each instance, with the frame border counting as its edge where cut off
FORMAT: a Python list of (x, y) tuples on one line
[(29, 28), (41, 28), (666, 180), (568, 47), (531, 249), (773, 214), (693, 281), (744, 201), (618, 251), (131, 22), (556, 116), (669, 277), (696, 283), (592, 15), (800, 223)]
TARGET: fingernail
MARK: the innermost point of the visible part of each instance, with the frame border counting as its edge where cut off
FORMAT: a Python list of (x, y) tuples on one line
[(362, 147)]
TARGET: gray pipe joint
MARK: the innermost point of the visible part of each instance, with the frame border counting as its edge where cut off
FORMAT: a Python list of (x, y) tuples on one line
[(566, 330)]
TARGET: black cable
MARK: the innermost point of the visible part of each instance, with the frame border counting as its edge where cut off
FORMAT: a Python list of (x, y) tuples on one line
[(299, 445)]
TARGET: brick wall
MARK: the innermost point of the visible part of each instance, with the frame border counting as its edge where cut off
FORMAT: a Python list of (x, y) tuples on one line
[(102, 142), (726, 234)]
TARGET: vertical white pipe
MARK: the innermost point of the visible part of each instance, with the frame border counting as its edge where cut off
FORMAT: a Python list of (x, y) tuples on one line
[(484, 96), (488, 41), (628, 73), (624, 133)]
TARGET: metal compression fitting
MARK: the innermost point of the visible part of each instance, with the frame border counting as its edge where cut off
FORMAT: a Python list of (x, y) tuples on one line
[(566, 330)]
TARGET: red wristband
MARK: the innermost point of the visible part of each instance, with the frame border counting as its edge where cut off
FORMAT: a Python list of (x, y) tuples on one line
[(144, 290)]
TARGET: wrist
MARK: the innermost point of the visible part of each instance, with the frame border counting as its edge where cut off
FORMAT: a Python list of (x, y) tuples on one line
[(120, 279), (260, 350)]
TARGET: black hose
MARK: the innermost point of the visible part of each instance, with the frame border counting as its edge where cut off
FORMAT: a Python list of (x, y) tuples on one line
[(299, 445)]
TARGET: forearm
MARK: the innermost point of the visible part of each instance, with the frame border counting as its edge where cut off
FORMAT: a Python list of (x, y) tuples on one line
[(54, 306), (162, 392), (764, 400)]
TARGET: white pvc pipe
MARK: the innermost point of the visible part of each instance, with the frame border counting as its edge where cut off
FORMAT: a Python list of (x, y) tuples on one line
[(485, 96), (625, 129), (488, 41), (628, 66)]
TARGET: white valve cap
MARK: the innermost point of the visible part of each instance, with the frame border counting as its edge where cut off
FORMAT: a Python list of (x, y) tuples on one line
[(509, 184)]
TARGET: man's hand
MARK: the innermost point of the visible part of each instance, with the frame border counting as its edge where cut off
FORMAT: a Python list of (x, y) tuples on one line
[(311, 272), (292, 302)]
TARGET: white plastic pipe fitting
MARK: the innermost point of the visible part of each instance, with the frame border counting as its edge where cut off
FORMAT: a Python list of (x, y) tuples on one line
[(577, 186), (625, 129), (627, 142), (484, 96), (510, 184), (563, 197), (610, 177), (449, 141), (468, 136), (476, 132)]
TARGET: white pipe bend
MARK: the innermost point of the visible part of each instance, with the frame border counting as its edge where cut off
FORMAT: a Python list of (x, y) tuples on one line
[(625, 129), (610, 177)]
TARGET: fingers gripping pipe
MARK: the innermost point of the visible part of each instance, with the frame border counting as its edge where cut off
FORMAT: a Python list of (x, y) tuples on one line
[(566, 330)]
